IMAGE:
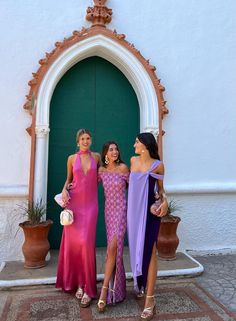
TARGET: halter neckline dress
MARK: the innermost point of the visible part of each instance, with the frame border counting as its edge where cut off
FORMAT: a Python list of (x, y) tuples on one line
[(77, 260)]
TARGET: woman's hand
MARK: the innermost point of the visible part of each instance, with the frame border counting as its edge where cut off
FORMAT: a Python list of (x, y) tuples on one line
[(69, 186), (65, 196), (163, 208), (160, 210)]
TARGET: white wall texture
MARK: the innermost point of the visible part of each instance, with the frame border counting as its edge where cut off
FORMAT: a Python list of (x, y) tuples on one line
[(193, 45)]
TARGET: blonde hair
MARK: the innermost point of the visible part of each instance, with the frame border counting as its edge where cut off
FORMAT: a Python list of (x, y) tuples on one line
[(81, 132)]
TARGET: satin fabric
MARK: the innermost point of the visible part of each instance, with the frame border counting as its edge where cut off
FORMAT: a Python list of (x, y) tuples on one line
[(77, 260), (137, 217)]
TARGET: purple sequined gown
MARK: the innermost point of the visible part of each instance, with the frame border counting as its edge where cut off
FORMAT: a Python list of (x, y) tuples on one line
[(114, 185), (143, 227)]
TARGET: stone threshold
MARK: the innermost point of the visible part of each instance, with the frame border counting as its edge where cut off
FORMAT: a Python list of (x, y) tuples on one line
[(14, 274)]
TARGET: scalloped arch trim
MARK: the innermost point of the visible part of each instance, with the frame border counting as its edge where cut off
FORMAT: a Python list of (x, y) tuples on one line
[(82, 44)]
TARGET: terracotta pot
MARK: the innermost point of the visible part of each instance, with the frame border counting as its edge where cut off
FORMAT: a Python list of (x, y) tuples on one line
[(36, 246), (168, 240)]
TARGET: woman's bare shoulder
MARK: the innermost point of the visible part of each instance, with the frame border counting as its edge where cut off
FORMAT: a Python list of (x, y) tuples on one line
[(124, 168), (97, 156), (134, 159), (101, 169), (71, 157), (160, 169)]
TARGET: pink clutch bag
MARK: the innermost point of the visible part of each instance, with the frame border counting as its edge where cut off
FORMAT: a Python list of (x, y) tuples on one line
[(58, 199)]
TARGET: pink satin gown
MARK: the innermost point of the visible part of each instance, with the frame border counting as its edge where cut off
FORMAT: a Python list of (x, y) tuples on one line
[(77, 260)]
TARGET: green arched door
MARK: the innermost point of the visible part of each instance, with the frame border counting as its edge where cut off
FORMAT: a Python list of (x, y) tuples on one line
[(93, 94)]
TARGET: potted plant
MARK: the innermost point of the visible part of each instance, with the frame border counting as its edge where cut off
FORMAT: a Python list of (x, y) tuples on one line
[(168, 240), (36, 229)]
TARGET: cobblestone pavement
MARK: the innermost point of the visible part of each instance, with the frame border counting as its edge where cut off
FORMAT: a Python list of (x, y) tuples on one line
[(219, 278)]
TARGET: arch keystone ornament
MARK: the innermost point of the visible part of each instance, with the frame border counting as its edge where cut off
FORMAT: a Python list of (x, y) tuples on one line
[(99, 14), (94, 41)]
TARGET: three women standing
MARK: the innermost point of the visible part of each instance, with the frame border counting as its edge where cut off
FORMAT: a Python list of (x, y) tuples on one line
[(77, 261)]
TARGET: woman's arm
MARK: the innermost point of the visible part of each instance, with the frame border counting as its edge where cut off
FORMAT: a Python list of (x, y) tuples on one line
[(161, 192), (124, 168), (97, 157), (132, 162), (65, 194)]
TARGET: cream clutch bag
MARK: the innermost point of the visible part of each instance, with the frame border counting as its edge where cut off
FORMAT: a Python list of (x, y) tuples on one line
[(66, 217)]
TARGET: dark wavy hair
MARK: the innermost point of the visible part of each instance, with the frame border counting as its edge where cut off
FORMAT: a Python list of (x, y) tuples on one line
[(105, 150), (149, 141)]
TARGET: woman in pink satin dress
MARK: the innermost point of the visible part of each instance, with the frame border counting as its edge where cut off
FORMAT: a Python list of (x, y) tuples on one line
[(114, 175), (77, 260)]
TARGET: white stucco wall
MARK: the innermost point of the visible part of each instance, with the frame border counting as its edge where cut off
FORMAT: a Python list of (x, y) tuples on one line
[(193, 45)]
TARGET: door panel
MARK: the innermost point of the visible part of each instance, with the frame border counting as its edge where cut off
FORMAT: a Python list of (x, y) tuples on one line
[(93, 94)]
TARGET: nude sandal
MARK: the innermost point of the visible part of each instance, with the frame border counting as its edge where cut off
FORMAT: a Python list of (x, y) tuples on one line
[(79, 293), (149, 312), (85, 301)]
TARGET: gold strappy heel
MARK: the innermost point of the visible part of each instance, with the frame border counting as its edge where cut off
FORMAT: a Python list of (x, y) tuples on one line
[(101, 305), (149, 312)]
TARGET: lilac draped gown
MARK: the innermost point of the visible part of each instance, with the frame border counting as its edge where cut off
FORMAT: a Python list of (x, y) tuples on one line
[(77, 260), (114, 185), (143, 227)]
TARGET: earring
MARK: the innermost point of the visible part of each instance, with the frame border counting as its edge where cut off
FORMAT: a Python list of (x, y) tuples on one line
[(106, 160), (77, 145), (117, 161)]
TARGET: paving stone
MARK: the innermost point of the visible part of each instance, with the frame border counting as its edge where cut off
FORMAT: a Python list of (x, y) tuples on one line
[(219, 278)]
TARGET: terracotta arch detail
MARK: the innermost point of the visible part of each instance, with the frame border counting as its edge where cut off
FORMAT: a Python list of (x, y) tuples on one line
[(60, 47)]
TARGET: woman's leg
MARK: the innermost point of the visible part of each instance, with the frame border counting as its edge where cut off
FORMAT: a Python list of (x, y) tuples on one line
[(109, 267), (151, 278)]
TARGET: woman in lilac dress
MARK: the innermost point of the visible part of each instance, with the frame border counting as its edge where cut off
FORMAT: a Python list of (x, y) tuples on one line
[(146, 178), (77, 263), (114, 176)]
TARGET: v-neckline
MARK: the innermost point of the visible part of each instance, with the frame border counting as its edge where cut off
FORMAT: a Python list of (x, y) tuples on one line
[(89, 167)]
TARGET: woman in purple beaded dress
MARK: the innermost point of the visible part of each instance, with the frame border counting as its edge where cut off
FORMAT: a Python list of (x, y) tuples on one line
[(146, 179), (114, 176)]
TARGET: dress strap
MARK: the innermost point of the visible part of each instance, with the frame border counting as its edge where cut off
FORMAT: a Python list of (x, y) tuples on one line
[(154, 165), (157, 176)]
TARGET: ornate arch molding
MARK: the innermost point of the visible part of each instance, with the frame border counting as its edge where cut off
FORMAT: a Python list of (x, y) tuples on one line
[(108, 44)]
